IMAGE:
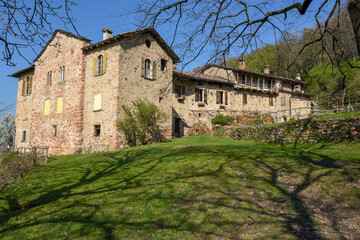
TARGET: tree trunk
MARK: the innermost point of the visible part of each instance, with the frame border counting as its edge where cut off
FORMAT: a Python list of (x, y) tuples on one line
[(354, 12)]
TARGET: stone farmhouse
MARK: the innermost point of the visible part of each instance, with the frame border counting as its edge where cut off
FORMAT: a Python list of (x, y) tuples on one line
[(72, 96)]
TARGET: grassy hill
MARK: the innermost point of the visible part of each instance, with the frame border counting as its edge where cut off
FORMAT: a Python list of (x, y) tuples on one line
[(190, 188)]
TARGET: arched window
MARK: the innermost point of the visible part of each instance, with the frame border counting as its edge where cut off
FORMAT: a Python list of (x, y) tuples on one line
[(148, 68), (99, 64)]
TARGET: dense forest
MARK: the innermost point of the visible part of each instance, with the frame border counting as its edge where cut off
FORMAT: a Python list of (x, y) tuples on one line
[(328, 61)]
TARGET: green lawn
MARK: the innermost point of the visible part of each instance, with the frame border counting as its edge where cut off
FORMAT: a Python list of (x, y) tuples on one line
[(190, 188)]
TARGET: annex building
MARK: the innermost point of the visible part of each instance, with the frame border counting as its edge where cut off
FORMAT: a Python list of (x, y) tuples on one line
[(72, 97)]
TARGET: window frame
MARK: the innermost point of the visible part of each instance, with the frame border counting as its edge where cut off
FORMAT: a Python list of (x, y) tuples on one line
[(199, 95), (27, 85), (97, 130), (220, 97), (100, 65), (163, 64), (62, 74), (283, 101), (23, 136), (245, 99), (148, 71)]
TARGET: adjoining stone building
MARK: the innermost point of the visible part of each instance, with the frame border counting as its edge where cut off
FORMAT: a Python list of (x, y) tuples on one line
[(71, 98)]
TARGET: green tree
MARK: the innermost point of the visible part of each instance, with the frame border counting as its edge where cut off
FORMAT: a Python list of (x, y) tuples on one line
[(140, 123)]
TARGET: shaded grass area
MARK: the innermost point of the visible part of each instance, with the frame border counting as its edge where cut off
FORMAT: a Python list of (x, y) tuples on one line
[(322, 117), (190, 188)]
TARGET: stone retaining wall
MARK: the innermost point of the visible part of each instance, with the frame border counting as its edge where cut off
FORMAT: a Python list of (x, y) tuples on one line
[(303, 131)]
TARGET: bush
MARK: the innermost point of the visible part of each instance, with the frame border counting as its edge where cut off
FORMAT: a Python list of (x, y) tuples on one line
[(222, 120), (140, 123), (13, 165)]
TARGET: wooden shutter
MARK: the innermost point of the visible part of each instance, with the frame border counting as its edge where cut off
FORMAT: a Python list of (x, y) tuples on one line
[(226, 98), (196, 95), (183, 92), (142, 67), (217, 97), (205, 96), (94, 66), (25, 115), (271, 103), (47, 108), (244, 99), (30, 84), (97, 102), (104, 62), (154, 71), (59, 107), (23, 87)]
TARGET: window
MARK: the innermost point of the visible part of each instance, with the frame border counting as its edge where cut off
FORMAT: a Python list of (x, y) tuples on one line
[(47, 108), (268, 84), (292, 87), (179, 92), (163, 64), (59, 106), (55, 130), (23, 136), (271, 101), (283, 101), (245, 98), (62, 74), (27, 86), (97, 130), (198, 95), (99, 64), (261, 83), (148, 43), (49, 79), (219, 97), (243, 79), (97, 102), (148, 68), (25, 115)]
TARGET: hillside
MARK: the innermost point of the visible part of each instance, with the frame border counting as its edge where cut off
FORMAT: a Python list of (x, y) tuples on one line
[(190, 188)]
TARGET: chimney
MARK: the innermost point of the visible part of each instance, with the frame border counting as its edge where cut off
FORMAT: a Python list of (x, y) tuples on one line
[(107, 33), (267, 69), (241, 64), (298, 77)]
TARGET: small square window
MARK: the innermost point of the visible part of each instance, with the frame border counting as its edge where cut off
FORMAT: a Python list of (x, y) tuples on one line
[(163, 64), (97, 130), (23, 136)]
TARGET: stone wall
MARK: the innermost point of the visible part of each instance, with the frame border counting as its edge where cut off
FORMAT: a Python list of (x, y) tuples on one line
[(302, 131), (62, 51)]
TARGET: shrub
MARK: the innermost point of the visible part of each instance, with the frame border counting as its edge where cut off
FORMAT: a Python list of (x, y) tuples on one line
[(13, 165), (222, 120), (140, 123)]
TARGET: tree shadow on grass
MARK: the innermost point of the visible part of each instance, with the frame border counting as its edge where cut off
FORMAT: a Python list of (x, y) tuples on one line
[(216, 191)]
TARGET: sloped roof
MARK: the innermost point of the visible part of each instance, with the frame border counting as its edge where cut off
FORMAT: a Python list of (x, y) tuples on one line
[(202, 77), (149, 30), (18, 73), (207, 66), (69, 34)]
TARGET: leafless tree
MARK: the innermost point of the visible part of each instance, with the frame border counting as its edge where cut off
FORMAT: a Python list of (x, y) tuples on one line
[(29, 23), (220, 27)]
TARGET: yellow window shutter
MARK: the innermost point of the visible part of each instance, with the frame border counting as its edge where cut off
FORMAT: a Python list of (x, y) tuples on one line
[(94, 66), (59, 107), (30, 84), (142, 67), (97, 102), (154, 70), (25, 115), (23, 87), (104, 62), (47, 108)]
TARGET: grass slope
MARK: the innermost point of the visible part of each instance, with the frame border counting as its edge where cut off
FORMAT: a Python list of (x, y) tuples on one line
[(190, 188)]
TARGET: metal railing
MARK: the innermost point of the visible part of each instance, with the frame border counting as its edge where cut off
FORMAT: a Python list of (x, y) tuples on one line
[(37, 151)]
